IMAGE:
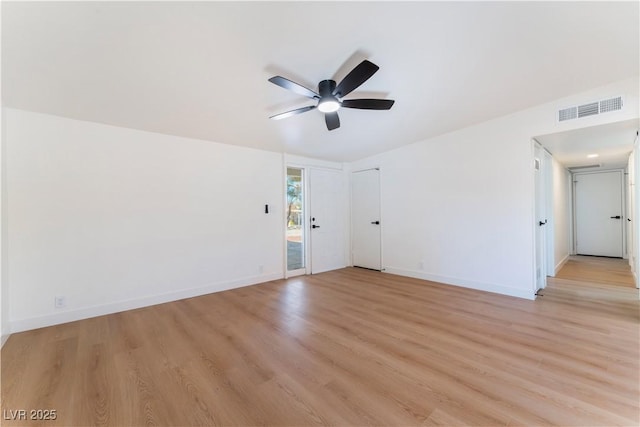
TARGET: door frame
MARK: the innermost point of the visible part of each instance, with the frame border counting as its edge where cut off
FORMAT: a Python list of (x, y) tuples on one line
[(623, 207), (550, 229), (542, 164), (634, 189), (379, 169), (307, 164), (305, 207)]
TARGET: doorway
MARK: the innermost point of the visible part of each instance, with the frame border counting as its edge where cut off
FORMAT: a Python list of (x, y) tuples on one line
[(366, 226), (599, 213), (588, 149), (315, 220), (544, 242)]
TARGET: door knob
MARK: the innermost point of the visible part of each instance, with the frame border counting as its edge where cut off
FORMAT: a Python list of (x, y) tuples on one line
[(315, 226), (615, 217), (540, 223), (375, 222)]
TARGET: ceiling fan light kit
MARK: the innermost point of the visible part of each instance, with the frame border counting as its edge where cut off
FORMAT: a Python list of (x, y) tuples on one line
[(329, 94), (328, 105)]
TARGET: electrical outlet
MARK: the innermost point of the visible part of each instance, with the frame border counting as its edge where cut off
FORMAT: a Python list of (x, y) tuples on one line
[(60, 301)]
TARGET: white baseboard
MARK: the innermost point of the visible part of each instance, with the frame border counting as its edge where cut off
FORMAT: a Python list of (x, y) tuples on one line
[(488, 287), (3, 339), (561, 264), (21, 325)]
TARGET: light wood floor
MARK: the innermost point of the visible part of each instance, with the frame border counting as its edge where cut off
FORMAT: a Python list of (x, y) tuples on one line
[(608, 271), (349, 347)]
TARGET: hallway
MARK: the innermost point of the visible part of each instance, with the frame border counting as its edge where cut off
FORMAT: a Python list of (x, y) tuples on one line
[(610, 271), (604, 284)]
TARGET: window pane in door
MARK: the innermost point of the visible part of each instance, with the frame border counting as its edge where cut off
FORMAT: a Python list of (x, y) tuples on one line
[(295, 219)]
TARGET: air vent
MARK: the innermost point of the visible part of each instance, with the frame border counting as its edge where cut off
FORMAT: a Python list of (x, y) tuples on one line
[(568, 114), (574, 168), (590, 109), (613, 104)]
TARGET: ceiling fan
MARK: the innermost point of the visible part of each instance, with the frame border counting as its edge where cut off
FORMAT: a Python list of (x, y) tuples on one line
[(329, 95)]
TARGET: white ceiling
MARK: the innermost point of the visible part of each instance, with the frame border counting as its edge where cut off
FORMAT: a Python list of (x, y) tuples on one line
[(200, 69), (611, 142)]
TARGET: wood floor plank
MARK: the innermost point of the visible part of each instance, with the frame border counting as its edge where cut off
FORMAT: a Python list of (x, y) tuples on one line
[(346, 347)]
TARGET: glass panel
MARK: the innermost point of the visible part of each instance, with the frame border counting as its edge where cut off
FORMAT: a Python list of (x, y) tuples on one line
[(295, 219)]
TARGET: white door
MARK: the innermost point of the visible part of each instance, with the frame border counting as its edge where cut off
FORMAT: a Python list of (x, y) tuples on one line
[(365, 219), (327, 220), (599, 215), (635, 210), (630, 214), (541, 219)]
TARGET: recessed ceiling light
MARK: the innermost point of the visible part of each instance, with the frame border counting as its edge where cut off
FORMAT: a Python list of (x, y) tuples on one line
[(592, 156)]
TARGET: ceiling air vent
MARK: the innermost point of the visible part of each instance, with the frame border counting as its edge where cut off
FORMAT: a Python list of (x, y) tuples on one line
[(613, 104), (590, 109), (568, 114)]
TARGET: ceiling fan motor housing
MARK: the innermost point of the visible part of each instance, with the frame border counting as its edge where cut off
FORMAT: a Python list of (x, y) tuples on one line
[(328, 102), (326, 88)]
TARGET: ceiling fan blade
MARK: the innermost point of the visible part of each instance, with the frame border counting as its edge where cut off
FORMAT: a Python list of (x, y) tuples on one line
[(292, 112), (332, 120), (368, 104), (355, 78), (293, 86)]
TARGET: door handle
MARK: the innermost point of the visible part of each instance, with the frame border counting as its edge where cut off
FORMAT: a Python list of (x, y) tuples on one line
[(315, 226), (615, 217), (375, 222), (540, 223)]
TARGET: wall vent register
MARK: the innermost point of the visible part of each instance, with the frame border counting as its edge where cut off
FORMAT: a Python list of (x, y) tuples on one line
[(590, 109)]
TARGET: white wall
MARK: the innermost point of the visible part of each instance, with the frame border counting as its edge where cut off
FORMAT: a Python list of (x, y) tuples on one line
[(561, 214), (4, 286), (458, 208), (115, 218)]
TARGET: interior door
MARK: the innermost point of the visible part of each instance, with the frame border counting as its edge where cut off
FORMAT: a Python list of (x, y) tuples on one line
[(630, 212), (540, 217), (327, 220), (599, 214), (365, 219)]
